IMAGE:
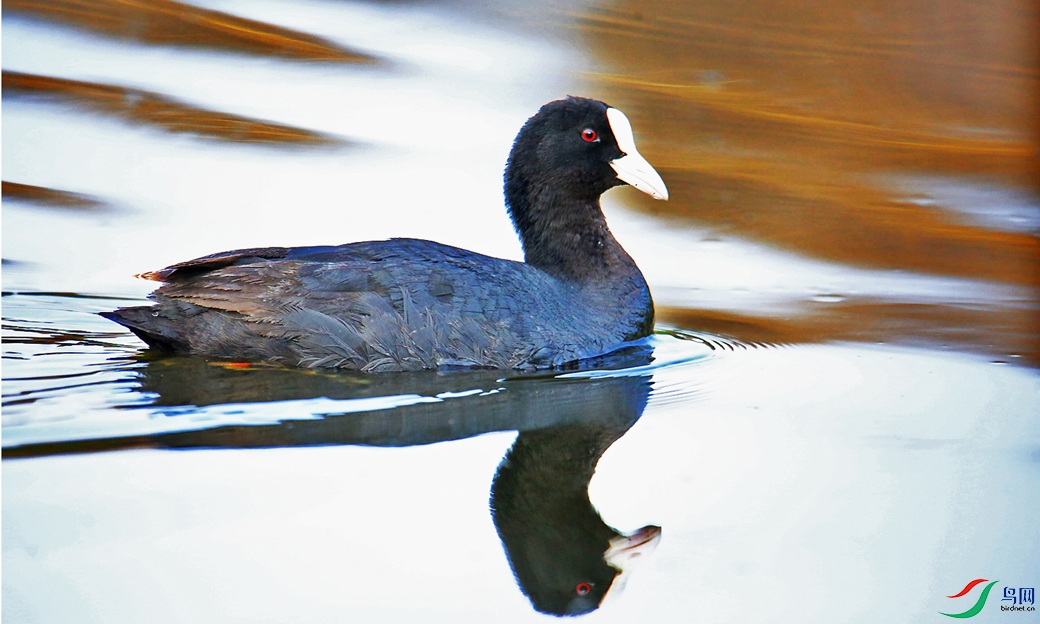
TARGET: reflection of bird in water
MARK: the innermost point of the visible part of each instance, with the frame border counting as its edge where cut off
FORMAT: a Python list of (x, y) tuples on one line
[(405, 305), (563, 555)]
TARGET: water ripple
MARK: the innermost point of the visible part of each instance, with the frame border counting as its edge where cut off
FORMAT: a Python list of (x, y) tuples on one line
[(105, 386)]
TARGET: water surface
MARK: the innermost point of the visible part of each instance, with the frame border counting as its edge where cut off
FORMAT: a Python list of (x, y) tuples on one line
[(836, 418)]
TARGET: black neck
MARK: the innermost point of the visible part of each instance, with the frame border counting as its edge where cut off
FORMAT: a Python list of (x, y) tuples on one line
[(564, 236)]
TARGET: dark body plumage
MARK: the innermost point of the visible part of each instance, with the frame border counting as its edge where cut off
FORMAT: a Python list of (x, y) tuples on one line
[(406, 304)]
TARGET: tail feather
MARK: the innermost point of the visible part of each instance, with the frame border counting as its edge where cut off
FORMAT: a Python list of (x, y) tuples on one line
[(150, 326)]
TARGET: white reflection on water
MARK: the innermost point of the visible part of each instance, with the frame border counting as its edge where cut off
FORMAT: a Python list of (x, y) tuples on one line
[(975, 202), (821, 484)]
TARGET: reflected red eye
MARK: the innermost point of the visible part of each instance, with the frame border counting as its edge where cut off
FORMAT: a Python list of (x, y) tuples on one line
[(589, 134), (583, 588)]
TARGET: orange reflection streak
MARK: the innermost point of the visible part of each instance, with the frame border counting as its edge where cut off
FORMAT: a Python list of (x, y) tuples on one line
[(51, 197), (794, 124), (850, 224), (173, 23), (157, 110), (759, 35), (996, 330), (755, 106)]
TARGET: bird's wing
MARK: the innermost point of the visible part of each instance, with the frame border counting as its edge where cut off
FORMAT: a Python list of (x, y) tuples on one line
[(388, 305)]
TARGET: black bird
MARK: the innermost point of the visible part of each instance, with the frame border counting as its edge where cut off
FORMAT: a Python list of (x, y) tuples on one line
[(406, 304)]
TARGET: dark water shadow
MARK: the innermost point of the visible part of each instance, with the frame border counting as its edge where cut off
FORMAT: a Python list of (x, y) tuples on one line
[(457, 405), (564, 556)]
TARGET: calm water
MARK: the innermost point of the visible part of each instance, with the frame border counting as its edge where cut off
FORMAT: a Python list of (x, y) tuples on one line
[(836, 420)]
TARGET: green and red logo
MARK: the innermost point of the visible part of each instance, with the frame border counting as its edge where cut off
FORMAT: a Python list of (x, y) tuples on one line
[(1020, 599), (981, 602)]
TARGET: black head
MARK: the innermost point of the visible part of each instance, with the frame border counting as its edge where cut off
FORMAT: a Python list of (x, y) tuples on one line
[(563, 159), (578, 148)]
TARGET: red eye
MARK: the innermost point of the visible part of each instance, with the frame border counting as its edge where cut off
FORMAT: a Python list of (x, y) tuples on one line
[(583, 588), (589, 134)]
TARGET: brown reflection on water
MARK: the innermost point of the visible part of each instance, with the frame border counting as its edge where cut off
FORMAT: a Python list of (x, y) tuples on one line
[(156, 110), (164, 22), (53, 198), (1007, 333), (799, 125)]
